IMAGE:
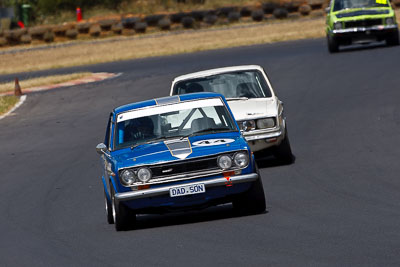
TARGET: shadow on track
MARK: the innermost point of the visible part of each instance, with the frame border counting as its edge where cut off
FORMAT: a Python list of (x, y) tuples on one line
[(271, 161), (220, 212), (360, 47)]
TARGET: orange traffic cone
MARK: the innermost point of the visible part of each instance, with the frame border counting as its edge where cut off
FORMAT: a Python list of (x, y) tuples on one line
[(17, 89)]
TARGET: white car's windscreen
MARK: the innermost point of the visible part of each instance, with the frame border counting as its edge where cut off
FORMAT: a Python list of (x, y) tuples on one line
[(246, 84)]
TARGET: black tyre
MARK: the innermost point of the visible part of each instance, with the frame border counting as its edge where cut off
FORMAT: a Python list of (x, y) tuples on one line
[(252, 201), (333, 44), (124, 218), (284, 152), (108, 207), (393, 39)]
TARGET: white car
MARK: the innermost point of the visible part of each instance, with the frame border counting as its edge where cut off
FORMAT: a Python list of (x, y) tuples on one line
[(252, 100)]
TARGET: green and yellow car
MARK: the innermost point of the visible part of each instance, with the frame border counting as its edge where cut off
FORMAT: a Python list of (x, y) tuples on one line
[(360, 21)]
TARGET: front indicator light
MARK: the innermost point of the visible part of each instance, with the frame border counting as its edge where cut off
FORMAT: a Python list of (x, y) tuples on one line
[(144, 174), (241, 159), (127, 177)]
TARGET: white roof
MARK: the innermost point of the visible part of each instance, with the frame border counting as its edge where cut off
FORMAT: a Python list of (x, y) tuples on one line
[(216, 71)]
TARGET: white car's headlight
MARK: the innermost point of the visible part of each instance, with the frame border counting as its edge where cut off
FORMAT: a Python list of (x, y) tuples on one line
[(127, 177), (337, 25), (248, 125), (224, 162), (389, 21), (144, 174), (265, 123), (241, 159)]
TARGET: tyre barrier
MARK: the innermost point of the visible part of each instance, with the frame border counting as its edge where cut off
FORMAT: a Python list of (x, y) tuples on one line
[(233, 16), (269, 7), (48, 37), (210, 19), (95, 30), (129, 22), (71, 33), (280, 13), (245, 11), (305, 9), (26, 39), (188, 22), (177, 17), (37, 33), (117, 28), (3, 41), (106, 24), (82, 27), (164, 24), (128, 25), (257, 15), (152, 20), (14, 36), (60, 30), (198, 15), (140, 27)]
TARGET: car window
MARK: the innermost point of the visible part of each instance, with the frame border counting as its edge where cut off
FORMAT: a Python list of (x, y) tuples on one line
[(249, 84), (179, 123)]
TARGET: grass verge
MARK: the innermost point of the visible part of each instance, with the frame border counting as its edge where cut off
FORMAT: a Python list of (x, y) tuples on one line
[(7, 102), (55, 79)]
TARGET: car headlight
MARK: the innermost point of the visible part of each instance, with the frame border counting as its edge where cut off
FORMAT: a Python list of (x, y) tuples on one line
[(224, 162), (337, 25), (127, 177), (265, 123), (389, 21), (144, 174), (248, 125), (241, 159)]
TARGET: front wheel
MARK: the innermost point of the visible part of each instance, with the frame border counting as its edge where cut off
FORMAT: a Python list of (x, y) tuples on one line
[(333, 44), (124, 218), (284, 152), (108, 207), (252, 201)]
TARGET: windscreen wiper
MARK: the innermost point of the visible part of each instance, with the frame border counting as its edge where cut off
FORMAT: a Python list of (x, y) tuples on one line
[(237, 98), (212, 130)]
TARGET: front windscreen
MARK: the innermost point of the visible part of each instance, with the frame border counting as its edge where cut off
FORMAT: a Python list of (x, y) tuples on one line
[(238, 84), (349, 4), (173, 121)]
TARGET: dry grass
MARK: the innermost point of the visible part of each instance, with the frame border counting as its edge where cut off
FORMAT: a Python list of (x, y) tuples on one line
[(7, 102), (157, 45), (143, 7), (55, 79)]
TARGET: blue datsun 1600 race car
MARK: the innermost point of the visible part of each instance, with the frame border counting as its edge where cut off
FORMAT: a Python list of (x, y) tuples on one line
[(176, 153)]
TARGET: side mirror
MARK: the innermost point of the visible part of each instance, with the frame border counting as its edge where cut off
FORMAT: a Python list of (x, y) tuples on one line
[(327, 9), (101, 148)]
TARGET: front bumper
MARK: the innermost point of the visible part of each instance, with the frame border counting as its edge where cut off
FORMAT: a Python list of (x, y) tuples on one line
[(260, 140), (373, 31), (164, 190)]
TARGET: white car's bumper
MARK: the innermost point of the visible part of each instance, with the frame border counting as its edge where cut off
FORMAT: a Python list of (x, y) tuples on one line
[(263, 139)]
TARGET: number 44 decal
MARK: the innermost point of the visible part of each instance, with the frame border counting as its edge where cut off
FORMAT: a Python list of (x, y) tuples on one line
[(213, 142)]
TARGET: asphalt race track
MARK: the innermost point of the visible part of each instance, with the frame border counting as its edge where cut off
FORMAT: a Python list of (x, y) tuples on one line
[(337, 205)]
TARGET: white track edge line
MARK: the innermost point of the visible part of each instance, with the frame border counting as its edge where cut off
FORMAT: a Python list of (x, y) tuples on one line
[(20, 102)]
